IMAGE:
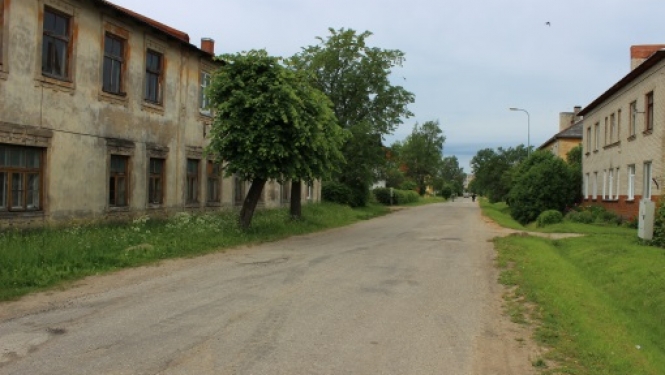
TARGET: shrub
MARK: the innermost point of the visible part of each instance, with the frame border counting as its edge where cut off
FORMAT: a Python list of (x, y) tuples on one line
[(549, 217), (382, 196), (659, 225), (584, 216), (446, 191), (336, 192), (541, 183), (408, 185)]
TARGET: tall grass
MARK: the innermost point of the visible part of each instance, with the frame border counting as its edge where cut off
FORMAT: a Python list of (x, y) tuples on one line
[(36, 259)]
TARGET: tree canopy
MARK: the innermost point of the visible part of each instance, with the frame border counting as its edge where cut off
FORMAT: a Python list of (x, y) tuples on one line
[(421, 153), (271, 123), (493, 171), (356, 78)]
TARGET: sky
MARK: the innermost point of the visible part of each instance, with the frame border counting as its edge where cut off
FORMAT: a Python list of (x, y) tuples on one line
[(467, 61)]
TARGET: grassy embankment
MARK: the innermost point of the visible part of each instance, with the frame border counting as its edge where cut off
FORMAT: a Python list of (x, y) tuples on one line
[(597, 301), (38, 259)]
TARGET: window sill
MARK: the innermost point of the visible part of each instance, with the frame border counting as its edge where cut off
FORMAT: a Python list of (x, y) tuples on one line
[(113, 209), (21, 214), (595, 151), (3, 73), (113, 98), (632, 138), (587, 153), (192, 205), (214, 204), (648, 132), (630, 200), (56, 84), (611, 145), (153, 108)]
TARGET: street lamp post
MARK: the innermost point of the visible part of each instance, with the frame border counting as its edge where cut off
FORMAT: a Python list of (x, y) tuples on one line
[(528, 128)]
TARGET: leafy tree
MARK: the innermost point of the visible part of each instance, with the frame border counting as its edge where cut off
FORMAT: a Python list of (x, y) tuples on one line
[(451, 173), (493, 175), (270, 123), (542, 182), (574, 158), (355, 77), (421, 153)]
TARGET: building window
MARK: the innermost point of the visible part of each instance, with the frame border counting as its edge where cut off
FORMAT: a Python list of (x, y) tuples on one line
[(214, 174), (192, 181), (649, 112), (56, 44), (586, 186), (114, 59), (610, 194), (588, 139), (618, 137), (646, 188), (20, 178), (156, 181), (632, 123), (631, 182), (594, 192), (596, 135), (119, 181), (613, 130), (618, 180), (238, 190), (604, 184), (310, 191), (607, 131), (153, 77), (204, 99), (286, 192)]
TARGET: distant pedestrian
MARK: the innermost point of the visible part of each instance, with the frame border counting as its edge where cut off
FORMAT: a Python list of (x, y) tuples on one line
[(473, 197)]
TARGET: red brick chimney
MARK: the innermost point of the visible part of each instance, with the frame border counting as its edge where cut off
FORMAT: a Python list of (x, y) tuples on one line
[(639, 53), (208, 45)]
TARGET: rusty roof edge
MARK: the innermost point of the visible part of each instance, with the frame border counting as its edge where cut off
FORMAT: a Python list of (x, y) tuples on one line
[(632, 75), (180, 36)]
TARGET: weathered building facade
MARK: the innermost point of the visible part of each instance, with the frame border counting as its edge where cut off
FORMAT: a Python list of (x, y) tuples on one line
[(624, 137), (103, 115)]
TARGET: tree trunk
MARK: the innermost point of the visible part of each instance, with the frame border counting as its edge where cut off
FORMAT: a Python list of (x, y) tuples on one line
[(250, 202), (296, 205)]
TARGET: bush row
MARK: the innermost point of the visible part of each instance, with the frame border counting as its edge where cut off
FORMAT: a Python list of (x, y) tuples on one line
[(382, 196)]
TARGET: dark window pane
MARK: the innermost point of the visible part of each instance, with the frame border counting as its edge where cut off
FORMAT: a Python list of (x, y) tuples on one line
[(112, 182), (4, 189), (17, 190), (121, 196), (3, 155), (16, 157), (32, 156), (49, 21), (61, 25)]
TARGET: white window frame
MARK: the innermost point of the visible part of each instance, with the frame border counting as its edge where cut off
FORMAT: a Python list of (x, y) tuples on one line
[(595, 186), (610, 193), (631, 182), (646, 187), (618, 180), (205, 79), (586, 186), (604, 184)]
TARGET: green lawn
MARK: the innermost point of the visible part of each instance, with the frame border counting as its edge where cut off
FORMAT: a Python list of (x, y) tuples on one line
[(597, 301), (39, 259)]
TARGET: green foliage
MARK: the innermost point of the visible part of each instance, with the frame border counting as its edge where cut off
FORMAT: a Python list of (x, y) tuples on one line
[(659, 224), (421, 153), (593, 214), (493, 175), (540, 183), (382, 196), (408, 185), (356, 78), (446, 191), (549, 217), (270, 122), (336, 192)]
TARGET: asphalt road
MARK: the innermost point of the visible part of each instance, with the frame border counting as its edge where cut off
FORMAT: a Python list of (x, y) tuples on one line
[(406, 293)]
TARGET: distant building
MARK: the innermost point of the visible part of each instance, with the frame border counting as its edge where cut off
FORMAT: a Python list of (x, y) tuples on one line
[(624, 134), (569, 135)]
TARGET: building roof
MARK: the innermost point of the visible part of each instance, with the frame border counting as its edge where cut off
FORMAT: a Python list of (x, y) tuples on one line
[(169, 31), (572, 132), (657, 57)]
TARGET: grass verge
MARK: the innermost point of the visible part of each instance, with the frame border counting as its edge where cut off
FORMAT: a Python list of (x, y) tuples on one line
[(38, 259), (597, 300)]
